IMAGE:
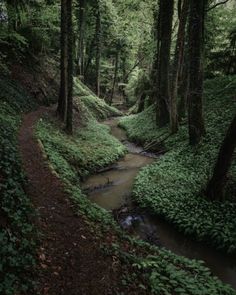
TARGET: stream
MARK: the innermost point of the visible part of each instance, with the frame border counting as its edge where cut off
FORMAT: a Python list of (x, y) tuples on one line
[(111, 189)]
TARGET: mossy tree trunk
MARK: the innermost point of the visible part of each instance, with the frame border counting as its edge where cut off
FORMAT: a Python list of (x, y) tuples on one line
[(69, 120), (62, 99), (164, 43), (178, 61), (195, 96), (215, 187)]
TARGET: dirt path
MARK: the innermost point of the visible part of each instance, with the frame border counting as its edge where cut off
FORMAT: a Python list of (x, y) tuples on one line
[(70, 258)]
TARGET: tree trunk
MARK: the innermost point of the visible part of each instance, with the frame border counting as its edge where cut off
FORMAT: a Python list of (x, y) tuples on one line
[(163, 97), (98, 48), (141, 103), (183, 88), (90, 51), (124, 78), (62, 99), (178, 61), (11, 7), (69, 120), (215, 187), (80, 53), (196, 42), (115, 77)]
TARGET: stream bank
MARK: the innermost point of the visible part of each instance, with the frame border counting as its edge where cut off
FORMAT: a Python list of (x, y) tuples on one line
[(112, 188)]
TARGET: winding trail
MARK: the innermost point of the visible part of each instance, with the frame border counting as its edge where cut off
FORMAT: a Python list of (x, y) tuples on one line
[(70, 258)]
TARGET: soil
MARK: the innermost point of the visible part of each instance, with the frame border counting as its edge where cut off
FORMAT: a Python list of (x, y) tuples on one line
[(70, 257)]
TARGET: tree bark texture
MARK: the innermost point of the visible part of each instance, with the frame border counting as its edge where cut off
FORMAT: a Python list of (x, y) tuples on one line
[(215, 187), (164, 43), (62, 99), (178, 62), (196, 36), (69, 121)]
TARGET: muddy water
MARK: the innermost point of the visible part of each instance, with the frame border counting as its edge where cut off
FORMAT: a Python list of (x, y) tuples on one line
[(111, 190)]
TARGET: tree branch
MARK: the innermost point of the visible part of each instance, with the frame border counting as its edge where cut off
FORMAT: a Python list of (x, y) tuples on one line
[(217, 4)]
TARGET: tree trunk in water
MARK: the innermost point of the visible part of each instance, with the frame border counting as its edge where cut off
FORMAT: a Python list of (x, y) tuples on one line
[(98, 49), (178, 61), (115, 77), (62, 99), (163, 96), (215, 187), (196, 36), (69, 120), (80, 52)]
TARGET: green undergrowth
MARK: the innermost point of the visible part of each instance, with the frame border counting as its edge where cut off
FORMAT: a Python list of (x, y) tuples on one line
[(162, 272), (173, 186), (152, 270), (94, 104), (17, 235), (90, 149)]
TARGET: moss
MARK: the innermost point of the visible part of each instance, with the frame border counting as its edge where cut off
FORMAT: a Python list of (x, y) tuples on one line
[(91, 148), (173, 186), (95, 105)]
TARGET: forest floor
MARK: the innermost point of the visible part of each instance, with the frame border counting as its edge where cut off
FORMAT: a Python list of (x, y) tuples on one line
[(69, 253), (82, 249)]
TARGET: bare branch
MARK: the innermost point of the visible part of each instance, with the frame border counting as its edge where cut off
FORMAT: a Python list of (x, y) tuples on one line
[(217, 4)]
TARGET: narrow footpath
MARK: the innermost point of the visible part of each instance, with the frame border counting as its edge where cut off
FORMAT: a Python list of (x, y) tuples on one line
[(70, 259)]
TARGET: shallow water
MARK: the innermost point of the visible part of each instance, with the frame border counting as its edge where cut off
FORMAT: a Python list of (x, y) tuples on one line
[(112, 189)]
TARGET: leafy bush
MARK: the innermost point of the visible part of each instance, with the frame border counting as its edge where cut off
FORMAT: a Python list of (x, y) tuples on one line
[(91, 149)]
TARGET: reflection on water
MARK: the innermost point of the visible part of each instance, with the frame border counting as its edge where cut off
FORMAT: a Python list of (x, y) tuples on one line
[(112, 189)]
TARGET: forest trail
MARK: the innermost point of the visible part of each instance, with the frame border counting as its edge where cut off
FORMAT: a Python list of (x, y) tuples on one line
[(70, 254)]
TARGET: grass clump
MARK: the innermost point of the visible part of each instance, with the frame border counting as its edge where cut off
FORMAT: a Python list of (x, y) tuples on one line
[(90, 149), (17, 235), (173, 187)]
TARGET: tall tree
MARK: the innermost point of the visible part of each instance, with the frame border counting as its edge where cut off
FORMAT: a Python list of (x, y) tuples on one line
[(62, 100), (164, 44), (69, 120), (81, 29), (115, 75), (196, 46), (98, 47), (215, 187), (178, 62), (183, 87)]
